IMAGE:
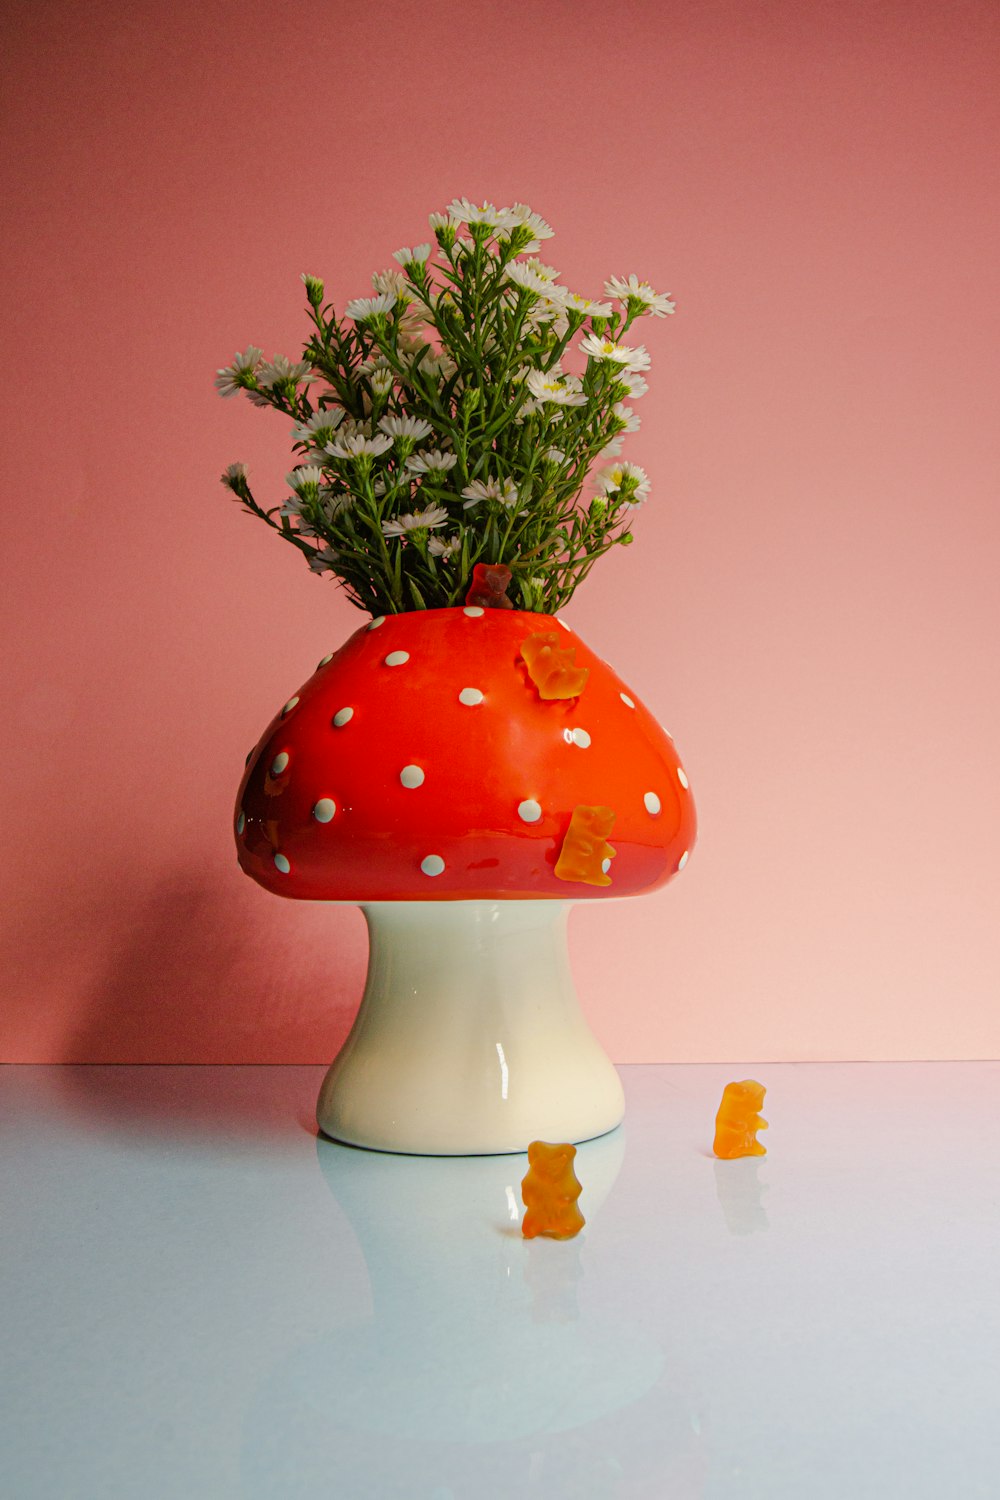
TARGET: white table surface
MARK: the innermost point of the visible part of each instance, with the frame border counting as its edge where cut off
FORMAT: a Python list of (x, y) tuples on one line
[(201, 1299)]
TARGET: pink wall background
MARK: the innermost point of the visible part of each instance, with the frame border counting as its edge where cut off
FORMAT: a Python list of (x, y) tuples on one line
[(811, 605)]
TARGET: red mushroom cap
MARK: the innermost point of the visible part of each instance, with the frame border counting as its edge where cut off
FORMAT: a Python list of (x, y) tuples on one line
[(419, 762)]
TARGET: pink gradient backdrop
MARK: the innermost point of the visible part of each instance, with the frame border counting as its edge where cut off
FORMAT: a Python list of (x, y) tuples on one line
[(811, 605)]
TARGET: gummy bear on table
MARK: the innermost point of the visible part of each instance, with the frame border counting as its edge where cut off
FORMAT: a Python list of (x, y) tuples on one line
[(738, 1120), (550, 1189)]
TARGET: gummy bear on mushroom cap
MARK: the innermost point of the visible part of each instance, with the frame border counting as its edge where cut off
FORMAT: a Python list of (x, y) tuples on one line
[(422, 762)]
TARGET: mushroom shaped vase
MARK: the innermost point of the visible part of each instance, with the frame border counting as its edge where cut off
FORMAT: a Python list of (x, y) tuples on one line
[(464, 776)]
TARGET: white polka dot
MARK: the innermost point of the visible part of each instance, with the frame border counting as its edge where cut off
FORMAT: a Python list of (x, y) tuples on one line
[(529, 811), (581, 738), (343, 716), (652, 802), (473, 611), (281, 863), (432, 865), (324, 810), (289, 706), (328, 657), (411, 776), (470, 697), (397, 658), (378, 620), (241, 823), (683, 859), (681, 777), (279, 763), (605, 866), (626, 700)]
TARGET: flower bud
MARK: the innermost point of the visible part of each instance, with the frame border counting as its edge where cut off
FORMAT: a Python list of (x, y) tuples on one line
[(520, 237), (445, 229), (314, 289)]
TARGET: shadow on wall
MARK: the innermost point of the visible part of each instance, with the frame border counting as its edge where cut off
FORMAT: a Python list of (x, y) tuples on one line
[(190, 977)]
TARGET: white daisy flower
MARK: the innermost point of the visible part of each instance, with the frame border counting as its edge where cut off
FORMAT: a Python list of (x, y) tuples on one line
[(301, 478), (392, 283), (547, 273), (491, 489), (353, 428), (613, 448), (408, 348), (413, 319), (356, 445), (445, 547), (326, 420), (282, 368), (573, 302), (430, 461), (520, 213), (382, 381), (555, 456), (324, 560), (408, 257), (633, 382), (442, 221), (596, 347), (360, 309), (627, 415), (332, 502), (234, 475), (292, 506), (548, 313), (634, 290), (440, 365), (525, 276), (613, 479), (554, 389), (411, 428), (434, 515), (464, 212), (227, 381)]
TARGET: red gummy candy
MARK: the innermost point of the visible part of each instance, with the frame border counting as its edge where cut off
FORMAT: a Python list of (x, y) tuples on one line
[(489, 586)]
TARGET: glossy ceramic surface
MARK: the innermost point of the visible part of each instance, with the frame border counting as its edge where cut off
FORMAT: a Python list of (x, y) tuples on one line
[(470, 1037), (201, 1301), (420, 763)]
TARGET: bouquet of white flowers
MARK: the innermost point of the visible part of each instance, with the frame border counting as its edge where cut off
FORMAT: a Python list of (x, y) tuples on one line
[(436, 429)]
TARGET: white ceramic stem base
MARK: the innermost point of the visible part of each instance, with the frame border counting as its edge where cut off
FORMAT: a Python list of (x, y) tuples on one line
[(470, 1039)]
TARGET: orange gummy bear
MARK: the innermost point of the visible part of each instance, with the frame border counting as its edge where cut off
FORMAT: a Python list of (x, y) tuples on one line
[(554, 672), (550, 1190), (737, 1122), (585, 847)]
